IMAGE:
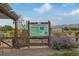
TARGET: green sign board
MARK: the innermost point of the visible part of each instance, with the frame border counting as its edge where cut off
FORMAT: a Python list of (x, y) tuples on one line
[(39, 30)]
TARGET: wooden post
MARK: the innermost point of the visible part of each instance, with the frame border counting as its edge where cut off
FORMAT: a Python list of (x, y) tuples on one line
[(15, 40), (49, 37), (28, 34)]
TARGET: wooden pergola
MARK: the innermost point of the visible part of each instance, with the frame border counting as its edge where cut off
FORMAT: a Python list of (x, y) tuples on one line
[(7, 11)]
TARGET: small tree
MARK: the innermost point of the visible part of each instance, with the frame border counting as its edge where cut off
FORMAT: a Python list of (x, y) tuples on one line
[(6, 28)]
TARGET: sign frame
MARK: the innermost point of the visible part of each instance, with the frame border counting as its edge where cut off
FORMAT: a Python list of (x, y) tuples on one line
[(39, 37)]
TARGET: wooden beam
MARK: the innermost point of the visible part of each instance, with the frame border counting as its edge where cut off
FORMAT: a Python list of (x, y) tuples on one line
[(3, 16), (6, 6), (5, 9)]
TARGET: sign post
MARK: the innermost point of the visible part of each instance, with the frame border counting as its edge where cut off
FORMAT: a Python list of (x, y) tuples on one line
[(39, 30)]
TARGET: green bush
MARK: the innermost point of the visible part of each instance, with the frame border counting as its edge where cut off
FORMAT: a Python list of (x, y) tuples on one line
[(77, 34), (59, 46), (58, 33), (62, 42), (56, 45), (65, 54)]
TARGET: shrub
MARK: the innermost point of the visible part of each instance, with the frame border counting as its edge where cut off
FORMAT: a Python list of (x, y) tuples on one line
[(62, 42), (77, 34), (65, 54), (58, 33)]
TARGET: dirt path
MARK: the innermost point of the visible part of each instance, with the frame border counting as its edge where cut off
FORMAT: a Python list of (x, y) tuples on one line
[(32, 51)]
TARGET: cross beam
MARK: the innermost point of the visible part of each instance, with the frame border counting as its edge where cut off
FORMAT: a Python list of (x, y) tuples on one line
[(6, 9)]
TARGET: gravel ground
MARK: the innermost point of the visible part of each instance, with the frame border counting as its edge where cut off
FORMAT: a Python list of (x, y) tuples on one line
[(32, 51)]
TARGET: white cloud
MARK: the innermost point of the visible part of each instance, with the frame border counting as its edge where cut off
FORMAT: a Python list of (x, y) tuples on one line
[(43, 8), (54, 20), (68, 4), (72, 13)]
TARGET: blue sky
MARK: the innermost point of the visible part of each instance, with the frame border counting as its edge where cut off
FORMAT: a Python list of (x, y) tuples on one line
[(57, 13)]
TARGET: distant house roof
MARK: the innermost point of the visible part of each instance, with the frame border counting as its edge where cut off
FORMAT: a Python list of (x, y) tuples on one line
[(6, 12)]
